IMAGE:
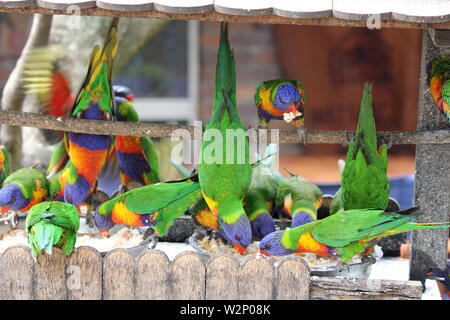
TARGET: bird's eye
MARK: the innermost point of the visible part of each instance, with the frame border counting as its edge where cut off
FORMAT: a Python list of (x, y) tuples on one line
[(267, 247), (237, 237), (13, 199), (69, 198)]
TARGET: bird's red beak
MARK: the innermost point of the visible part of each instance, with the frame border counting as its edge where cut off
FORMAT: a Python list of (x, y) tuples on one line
[(293, 109), (130, 97), (4, 210), (264, 253), (239, 249), (104, 233)]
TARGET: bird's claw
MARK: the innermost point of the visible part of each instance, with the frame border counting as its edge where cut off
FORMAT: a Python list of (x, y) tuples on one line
[(347, 138), (123, 188), (386, 139), (151, 241), (302, 134), (342, 266), (367, 258)]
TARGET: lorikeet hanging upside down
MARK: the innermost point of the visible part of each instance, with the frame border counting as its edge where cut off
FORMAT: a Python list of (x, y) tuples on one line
[(300, 199), (439, 84), (52, 223), (4, 164), (138, 158), (225, 173), (95, 101), (280, 99), (23, 189), (364, 179), (344, 234), (156, 206)]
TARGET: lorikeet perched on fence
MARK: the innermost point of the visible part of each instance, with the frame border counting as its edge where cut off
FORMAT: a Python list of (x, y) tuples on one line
[(439, 84), (344, 234), (225, 174), (4, 164), (280, 99), (155, 206), (52, 223), (23, 189), (88, 152), (364, 179), (137, 156), (300, 199)]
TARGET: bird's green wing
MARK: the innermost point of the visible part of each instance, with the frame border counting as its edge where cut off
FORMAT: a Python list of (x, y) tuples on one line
[(152, 157), (446, 98), (61, 214), (58, 158)]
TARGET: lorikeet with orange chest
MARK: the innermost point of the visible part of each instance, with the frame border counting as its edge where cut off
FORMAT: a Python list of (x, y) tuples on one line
[(4, 164), (95, 101), (23, 189), (344, 234), (439, 84), (280, 99)]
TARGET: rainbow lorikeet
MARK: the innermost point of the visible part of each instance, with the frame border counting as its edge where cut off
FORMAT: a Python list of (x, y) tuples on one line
[(95, 101), (300, 199), (23, 189), (439, 84), (280, 99), (137, 156), (225, 170), (156, 205), (52, 223), (364, 178), (4, 164), (344, 234)]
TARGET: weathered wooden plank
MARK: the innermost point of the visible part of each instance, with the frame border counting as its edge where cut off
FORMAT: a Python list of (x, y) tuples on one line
[(303, 9), (222, 278), (248, 8), (118, 275), (51, 276), (361, 9), (432, 185), (183, 6), (256, 279), (325, 288), (66, 4), (84, 269), (153, 276), (16, 274), (292, 280), (188, 277), (126, 5), (17, 3)]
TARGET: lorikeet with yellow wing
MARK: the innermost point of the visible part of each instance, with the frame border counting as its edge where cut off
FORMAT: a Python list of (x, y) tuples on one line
[(364, 179), (4, 164), (344, 234), (439, 84), (280, 99), (225, 170), (156, 206), (52, 223), (95, 101), (23, 189)]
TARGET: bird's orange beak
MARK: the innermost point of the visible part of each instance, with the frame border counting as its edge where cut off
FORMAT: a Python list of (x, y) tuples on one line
[(239, 249), (130, 97), (104, 233), (4, 210), (264, 253), (293, 109)]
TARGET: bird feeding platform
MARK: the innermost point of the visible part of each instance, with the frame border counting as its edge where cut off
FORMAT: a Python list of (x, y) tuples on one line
[(120, 275)]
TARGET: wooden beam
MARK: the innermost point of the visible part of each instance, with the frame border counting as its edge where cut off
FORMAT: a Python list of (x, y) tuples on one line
[(218, 17), (38, 120), (432, 186)]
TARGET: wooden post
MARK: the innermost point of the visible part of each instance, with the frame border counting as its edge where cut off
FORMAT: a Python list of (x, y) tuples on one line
[(432, 187)]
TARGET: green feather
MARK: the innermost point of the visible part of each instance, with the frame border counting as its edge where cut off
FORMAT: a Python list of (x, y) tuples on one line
[(27, 180)]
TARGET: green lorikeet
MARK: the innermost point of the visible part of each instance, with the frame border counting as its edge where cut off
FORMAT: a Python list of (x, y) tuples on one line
[(58, 159), (280, 99), (439, 84), (156, 205), (23, 189), (95, 101), (225, 170), (138, 158), (52, 223), (4, 164), (364, 179), (300, 199), (344, 234)]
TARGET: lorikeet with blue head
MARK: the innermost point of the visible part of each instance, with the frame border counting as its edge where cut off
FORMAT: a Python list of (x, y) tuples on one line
[(280, 99), (4, 164), (364, 178), (225, 171), (344, 234), (137, 156), (22, 189), (299, 199), (156, 205), (439, 84), (52, 223), (95, 101)]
